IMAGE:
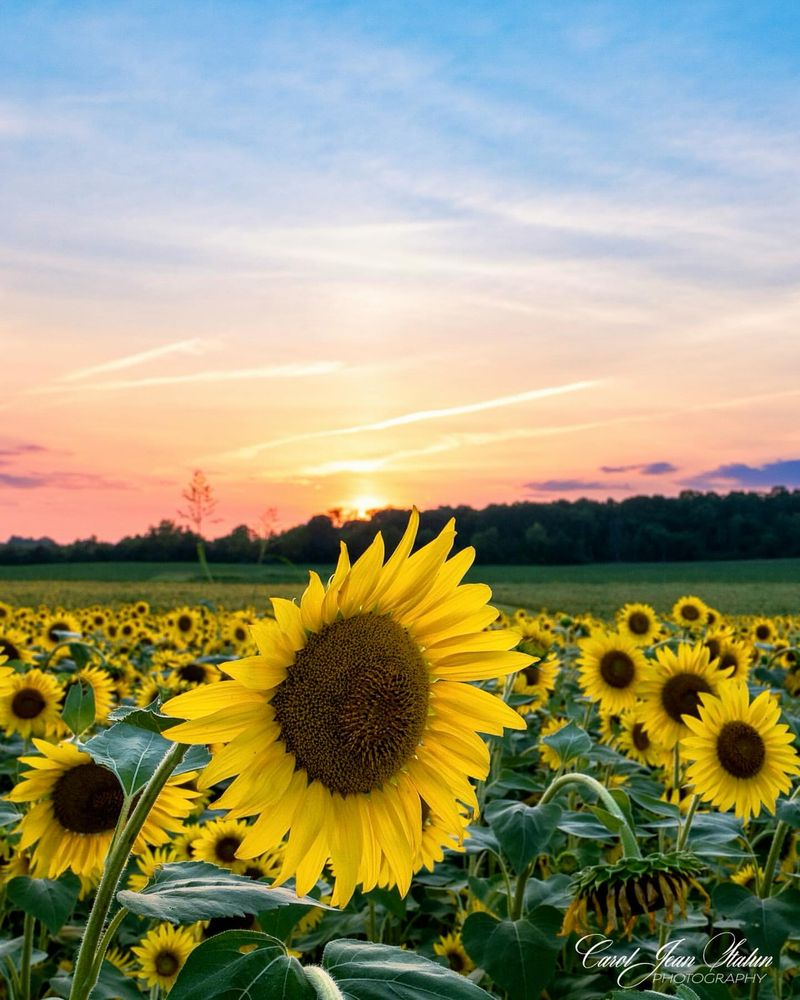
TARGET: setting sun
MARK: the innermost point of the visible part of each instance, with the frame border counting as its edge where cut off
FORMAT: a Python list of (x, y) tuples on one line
[(361, 507)]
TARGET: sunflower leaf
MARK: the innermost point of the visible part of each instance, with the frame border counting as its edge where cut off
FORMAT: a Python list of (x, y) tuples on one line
[(522, 831), (149, 718), (186, 891), (49, 900), (766, 923), (569, 742), (79, 708), (132, 754), (519, 955), (366, 971)]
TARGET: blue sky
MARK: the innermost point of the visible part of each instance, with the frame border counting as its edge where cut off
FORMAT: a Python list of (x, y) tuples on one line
[(398, 208)]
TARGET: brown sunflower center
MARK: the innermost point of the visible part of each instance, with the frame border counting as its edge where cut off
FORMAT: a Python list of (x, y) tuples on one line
[(639, 736), (729, 660), (740, 749), (617, 669), (28, 703), (763, 632), (532, 674), (455, 960), (192, 672), (353, 706), (226, 848), (167, 963), (55, 630), (87, 799), (639, 623), (681, 695), (714, 648), (184, 623), (7, 648), (690, 612)]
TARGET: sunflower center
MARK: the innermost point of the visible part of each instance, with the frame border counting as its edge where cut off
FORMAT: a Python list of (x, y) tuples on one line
[(192, 672), (167, 963), (617, 669), (7, 648), (639, 736), (28, 703), (87, 799), (226, 849), (353, 706), (184, 623), (690, 612), (714, 648), (740, 749), (639, 623), (532, 675), (763, 632), (728, 660), (681, 695), (455, 961)]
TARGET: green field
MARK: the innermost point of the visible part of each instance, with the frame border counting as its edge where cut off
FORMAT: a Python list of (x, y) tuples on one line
[(753, 587)]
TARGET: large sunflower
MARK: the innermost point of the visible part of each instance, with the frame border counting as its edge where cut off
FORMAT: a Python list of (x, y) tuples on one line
[(742, 756), (76, 805), (358, 708), (671, 691), (611, 668), (30, 704)]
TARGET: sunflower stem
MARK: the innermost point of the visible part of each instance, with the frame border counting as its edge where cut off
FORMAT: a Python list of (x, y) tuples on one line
[(25, 961), (765, 882), (630, 848), (519, 892), (105, 941), (324, 986), (73, 642), (683, 831), (116, 860)]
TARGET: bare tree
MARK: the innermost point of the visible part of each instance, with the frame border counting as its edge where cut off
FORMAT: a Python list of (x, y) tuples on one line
[(200, 506), (264, 529)]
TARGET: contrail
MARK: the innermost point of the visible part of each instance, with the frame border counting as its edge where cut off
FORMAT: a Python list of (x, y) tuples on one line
[(413, 418), (194, 346)]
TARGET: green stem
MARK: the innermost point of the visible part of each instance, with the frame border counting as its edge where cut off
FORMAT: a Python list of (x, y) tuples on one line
[(371, 920), (324, 986), (630, 848), (683, 831), (13, 977), (105, 941), (201, 555), (27, 953), (765, 882), (117, 858), (519, 892), (74, 642)]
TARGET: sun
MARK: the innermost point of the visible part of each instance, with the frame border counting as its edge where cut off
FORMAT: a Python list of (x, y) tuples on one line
[(360, 507)]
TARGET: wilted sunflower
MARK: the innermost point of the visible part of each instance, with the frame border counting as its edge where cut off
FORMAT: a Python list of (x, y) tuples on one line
[(638, 622), (671, 691), (30, 704), (690, 612), (611, 667), (357, 707), (742, 756), (76, 806), (632, 887), (451, 948), (162, 954)]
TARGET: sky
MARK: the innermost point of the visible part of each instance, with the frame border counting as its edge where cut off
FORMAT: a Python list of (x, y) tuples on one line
[(364, 254)]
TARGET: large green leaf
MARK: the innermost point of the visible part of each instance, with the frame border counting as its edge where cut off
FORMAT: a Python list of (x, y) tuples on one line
[(766, 923), (9, 814), (569, 742), (519, 955), (11, 949), (522, 831), (186, 891), (217, 970), (49, 900), (133, 754), (366, 971), (78, 711), (144, 718)]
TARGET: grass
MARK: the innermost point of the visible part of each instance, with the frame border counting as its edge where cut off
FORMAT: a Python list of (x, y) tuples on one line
[(751, 587)]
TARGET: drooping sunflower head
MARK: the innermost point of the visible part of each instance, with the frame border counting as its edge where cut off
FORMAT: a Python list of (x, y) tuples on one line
[(638, 622), (30, 704), (690, 612), (618, 894), (742, 757), (611, 667), (357, 708), (672, 689)]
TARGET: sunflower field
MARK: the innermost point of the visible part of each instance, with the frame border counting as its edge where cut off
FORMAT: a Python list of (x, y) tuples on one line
[(389, 790)]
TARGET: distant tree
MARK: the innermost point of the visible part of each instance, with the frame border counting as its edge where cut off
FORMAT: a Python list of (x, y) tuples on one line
[(200, 506), (264, 529)]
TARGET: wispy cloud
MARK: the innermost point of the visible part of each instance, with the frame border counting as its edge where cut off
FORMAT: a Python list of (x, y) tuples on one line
[(61, 481), (15, 450), (568, 486), (779, 473), (194, 346), (418, 416), (647, 468)]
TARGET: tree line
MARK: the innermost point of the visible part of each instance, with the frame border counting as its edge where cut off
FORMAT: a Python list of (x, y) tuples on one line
[(691, 526)]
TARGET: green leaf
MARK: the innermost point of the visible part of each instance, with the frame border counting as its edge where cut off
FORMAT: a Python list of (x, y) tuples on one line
[(49, 900), (217, 970), (143, 718), (12, 950), (609, 820), (78, 712), (522, 831), (766, 923), (132, 754), (519, 955), (789, 811), (569, 742), (186, 891), (620, 796), (366, 971), (9, 814), (81, 654), (581, 824)]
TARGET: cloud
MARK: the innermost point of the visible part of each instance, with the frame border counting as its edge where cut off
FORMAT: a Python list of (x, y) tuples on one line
[(779, 473), (566, 485), (12, 451), (194, 346), (61, 481), (251, 451), (647, 469)]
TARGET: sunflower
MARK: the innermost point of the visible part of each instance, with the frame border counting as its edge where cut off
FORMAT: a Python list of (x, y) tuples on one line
[(121, 960), (764, 630), (14, 645), (102, 685), (185, 625), (746, 876), (549, 755), (357, 707), (162, 954), (742, 756), (59, 628), (218, 842), (671, 691), (147, 864), (30, 704), (735, 658), (690, 612), (611, 667), (638, 622), (76, 807), (451, 948), (635, 741), (535, 681)]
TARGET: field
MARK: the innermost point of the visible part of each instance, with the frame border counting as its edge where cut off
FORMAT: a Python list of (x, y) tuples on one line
[(756, 587)]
